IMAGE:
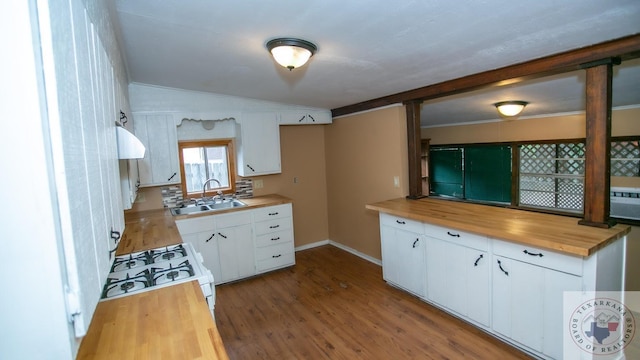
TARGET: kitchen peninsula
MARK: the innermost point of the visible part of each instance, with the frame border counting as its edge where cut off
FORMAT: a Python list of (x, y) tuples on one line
[(515, 265)]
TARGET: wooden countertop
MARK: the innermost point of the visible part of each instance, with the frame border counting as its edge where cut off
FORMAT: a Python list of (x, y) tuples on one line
[(152, 229), (172, 322), (169, 323), (553, 232)]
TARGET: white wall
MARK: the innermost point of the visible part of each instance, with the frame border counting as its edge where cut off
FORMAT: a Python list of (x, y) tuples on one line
[(32, 309)]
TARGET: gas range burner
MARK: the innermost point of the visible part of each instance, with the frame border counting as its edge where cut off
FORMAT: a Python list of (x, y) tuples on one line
[(172, 273), (116, 287), (131, 261), (167, 253)]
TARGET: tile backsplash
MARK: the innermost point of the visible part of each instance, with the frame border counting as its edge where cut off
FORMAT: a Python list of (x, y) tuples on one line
[(172, 195)]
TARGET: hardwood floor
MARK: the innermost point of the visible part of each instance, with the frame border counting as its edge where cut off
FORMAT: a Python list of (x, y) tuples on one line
[(334, 305)]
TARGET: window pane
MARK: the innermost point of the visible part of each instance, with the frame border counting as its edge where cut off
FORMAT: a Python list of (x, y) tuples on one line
[(217, 166), (552, 176), (194, 170)]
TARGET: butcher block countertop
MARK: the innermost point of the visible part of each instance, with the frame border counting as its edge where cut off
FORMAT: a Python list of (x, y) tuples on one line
[(152, 229), (553, 232), (171, 322)]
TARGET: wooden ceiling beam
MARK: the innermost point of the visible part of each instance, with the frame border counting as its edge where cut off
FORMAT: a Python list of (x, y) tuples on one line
[(625, 48)]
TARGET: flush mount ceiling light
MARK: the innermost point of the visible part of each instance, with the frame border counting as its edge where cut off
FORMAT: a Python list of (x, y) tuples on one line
[(290, 52), (510, 109)]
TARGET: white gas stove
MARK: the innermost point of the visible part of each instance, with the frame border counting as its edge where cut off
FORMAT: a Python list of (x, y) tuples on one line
[(152, 269)]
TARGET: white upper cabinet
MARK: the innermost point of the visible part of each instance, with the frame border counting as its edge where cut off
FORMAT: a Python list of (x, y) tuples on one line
[(305, 117), (258, 144), (160, 165)]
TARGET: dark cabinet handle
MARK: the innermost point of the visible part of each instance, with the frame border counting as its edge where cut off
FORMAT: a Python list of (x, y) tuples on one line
[(224, 237), (311, 117), (276, 256), (302, 118), (500, 266), (400, 222), (533, 254), (250, 168), (210, 237), (477, 260), (272, 214), (415, 242), (454, 235), (274, 226), (172, 176), (115, 235), (275, 239), (123, 118)]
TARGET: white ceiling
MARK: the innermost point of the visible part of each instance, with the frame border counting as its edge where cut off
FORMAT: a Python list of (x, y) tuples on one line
[(373, 48)]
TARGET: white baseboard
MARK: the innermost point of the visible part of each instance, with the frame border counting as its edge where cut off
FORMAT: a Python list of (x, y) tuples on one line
[(340, 246)]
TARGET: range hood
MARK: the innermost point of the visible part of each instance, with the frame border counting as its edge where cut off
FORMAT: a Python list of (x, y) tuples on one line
[(129, 146)]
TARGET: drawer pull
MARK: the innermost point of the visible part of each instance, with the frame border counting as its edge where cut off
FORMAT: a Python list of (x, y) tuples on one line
[(276, 256), (224, 237), (454, 235), (400, 222), (272, 214), (210, 237), (274, 226), (478, 260), (415, 242), (275, 239), (533, 254), (500, 266)]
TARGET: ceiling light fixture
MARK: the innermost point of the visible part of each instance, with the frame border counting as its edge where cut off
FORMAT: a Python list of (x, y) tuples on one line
[(290, 52), (510, 109)]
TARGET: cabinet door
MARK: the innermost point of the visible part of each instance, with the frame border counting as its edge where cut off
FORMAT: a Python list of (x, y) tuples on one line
[(458, 279), (556, 283), (160, 165), (302, 117), (518, 301), (258, 146), (206, 244), (403, 259), (235, 246)]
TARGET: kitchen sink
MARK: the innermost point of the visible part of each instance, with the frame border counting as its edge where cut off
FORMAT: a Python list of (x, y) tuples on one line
[(210, 206)]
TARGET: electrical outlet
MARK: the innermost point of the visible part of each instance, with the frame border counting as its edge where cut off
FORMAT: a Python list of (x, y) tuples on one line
[(295, 179), (258, 184), (396, 181)]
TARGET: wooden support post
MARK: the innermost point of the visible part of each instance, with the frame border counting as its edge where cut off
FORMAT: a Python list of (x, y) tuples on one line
[(415, 149), (598, 144)]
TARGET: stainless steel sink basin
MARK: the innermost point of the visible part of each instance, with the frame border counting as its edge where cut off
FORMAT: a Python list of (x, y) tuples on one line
[(208, 207)]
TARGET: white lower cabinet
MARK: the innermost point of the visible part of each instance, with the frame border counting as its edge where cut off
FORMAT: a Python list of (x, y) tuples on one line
[(244, 243), (403, 253), (274, 237), (508, 289), (458, 278), (528, 298)]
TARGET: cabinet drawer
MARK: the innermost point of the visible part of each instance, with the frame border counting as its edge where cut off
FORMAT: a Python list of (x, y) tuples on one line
[(272, 212), (274, 238), (545, 258), (274, 252), (269, 226), (457, 237), (196, 225), (401, 223), (233, 219), (277, 261)]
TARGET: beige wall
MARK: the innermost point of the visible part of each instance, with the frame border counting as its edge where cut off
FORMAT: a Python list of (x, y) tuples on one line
[(303, 157), (363, 153)]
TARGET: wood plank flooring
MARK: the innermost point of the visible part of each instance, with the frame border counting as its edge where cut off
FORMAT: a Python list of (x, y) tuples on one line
[(334, 305)]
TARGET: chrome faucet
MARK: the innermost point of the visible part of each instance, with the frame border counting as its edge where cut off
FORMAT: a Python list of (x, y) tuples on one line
[(204, 187)]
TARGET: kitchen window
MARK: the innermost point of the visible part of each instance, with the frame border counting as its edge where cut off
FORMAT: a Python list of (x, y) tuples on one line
[(203, 160)]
